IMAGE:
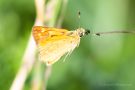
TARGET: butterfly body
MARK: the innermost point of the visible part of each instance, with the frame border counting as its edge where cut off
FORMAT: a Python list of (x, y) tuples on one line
[(53, 43)]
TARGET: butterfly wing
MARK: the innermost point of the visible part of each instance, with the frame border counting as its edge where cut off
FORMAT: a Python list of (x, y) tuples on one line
[(41, 34), (54, 43)]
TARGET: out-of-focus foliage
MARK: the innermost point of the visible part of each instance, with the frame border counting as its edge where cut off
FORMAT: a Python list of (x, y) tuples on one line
[(16, 20), (99, 63)]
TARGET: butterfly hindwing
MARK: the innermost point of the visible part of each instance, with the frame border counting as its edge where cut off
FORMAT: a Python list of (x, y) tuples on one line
[(53, 51)]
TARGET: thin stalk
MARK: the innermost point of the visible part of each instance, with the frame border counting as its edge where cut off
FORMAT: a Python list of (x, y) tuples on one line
[(29, 55), (52, 11)]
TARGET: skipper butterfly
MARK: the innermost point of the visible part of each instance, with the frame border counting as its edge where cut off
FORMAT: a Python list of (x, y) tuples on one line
[(53, 43)]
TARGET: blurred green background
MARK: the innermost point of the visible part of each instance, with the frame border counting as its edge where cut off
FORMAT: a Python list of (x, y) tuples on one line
[(99, 63)]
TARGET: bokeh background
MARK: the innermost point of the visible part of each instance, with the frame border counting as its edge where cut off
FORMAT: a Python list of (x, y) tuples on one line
[(99, 63)]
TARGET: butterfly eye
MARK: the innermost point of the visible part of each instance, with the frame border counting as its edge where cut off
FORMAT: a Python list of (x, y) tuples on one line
[(87, 32)]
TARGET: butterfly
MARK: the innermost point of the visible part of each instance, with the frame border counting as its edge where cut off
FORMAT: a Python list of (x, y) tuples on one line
[(53, 43)]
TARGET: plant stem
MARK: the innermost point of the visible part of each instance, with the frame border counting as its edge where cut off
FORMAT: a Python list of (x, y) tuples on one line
[(29, 55)]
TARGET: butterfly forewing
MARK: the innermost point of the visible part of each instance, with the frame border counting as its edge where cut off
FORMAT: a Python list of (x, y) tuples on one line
[(41, 34)]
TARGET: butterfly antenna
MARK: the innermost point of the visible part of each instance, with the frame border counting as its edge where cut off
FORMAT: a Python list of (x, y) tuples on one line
[(114, 32), (79, 20)]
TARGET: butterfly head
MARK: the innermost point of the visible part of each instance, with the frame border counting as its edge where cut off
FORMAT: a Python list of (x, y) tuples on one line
[(81, 32)]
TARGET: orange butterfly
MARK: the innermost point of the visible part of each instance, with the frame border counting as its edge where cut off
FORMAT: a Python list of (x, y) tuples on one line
[(53, 43)]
